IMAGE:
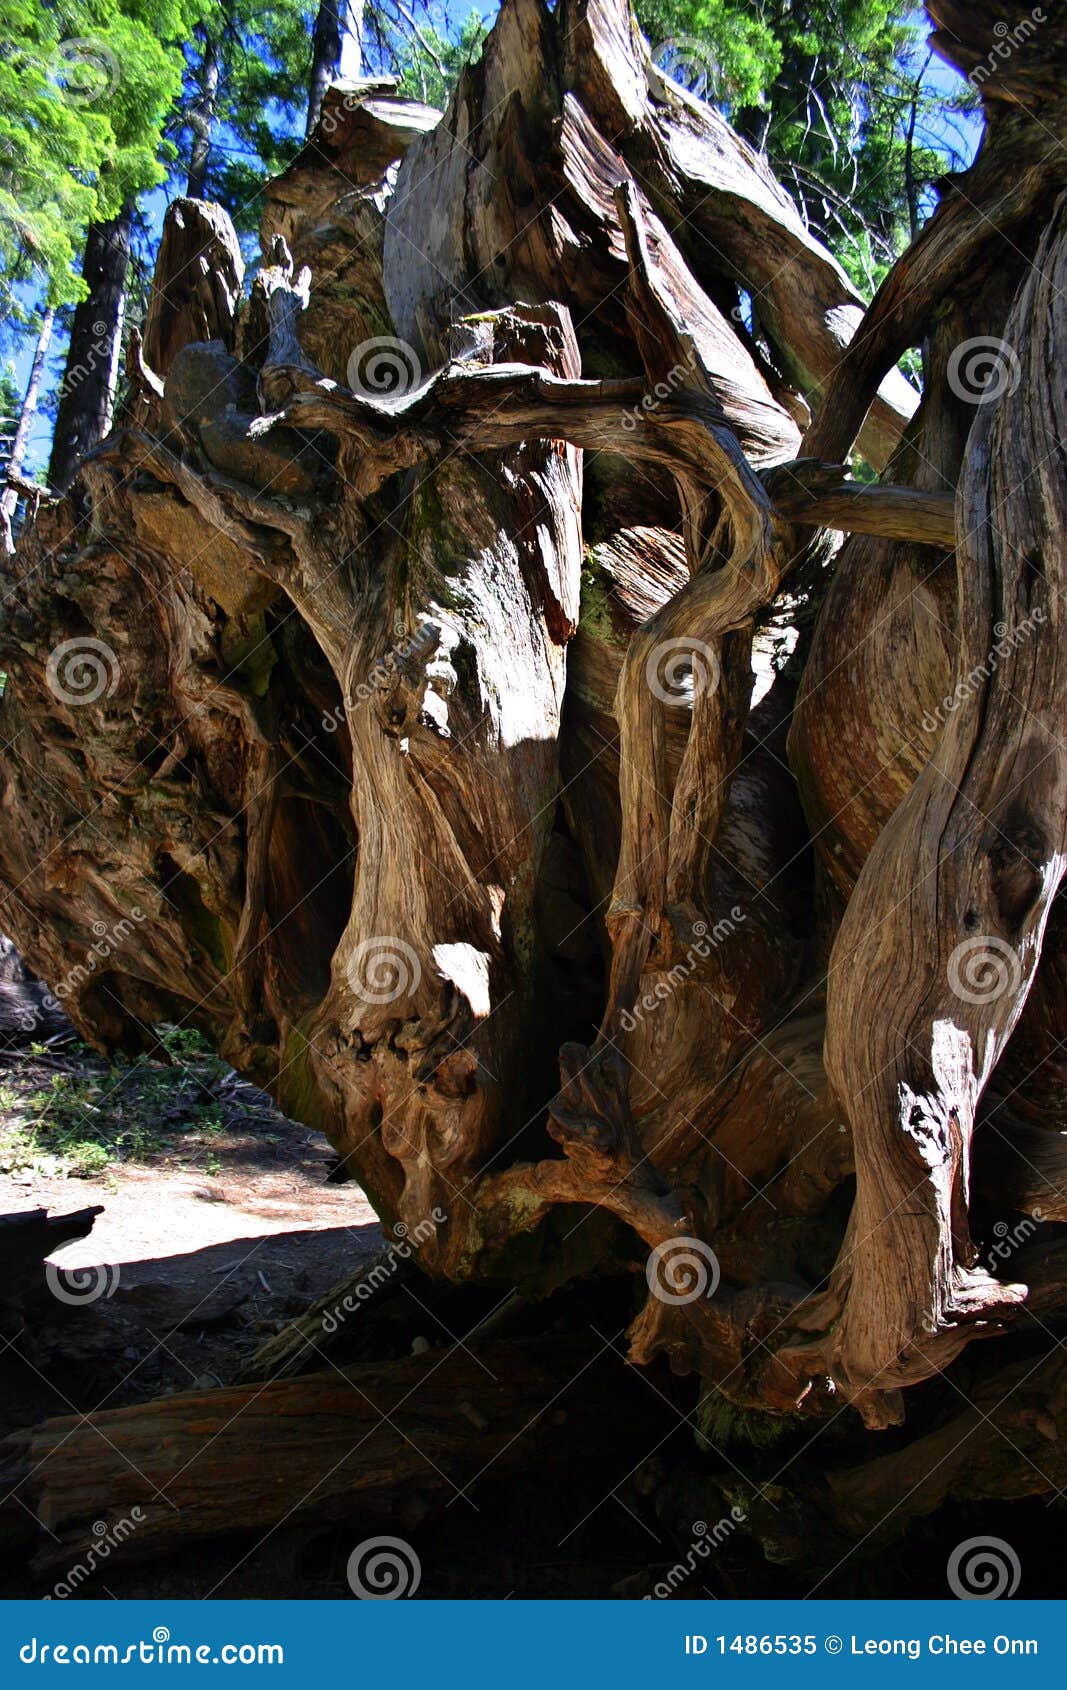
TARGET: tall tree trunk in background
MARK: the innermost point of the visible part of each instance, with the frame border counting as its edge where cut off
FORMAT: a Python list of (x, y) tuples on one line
[(87, 392), (9, 498), (201, 117), (418, 730), (336, 49)]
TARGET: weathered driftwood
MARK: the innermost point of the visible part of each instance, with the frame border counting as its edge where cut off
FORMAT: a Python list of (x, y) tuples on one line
[(422, 738)]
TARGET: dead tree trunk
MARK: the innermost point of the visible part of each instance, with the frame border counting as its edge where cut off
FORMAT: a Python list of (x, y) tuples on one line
[(337, 37), (201, 112), (9, 495), (90, 374), (385, 702)]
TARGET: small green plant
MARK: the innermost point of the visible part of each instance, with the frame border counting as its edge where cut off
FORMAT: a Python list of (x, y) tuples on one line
[(20, 1151), (25, 1149), (182, 1042), (94, 1115)]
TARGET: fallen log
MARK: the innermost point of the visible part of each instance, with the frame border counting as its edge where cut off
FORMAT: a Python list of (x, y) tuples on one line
[(387, 1443), (34, 1234)]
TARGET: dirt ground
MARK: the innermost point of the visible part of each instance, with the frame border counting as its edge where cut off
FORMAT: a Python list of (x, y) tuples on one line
[(212, 1235), (220, 1224)]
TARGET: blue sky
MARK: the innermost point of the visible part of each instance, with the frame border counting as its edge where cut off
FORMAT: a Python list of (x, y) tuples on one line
[(961, 134)]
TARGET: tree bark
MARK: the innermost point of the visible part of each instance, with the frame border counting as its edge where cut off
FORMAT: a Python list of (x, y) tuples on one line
[(200, 117)]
